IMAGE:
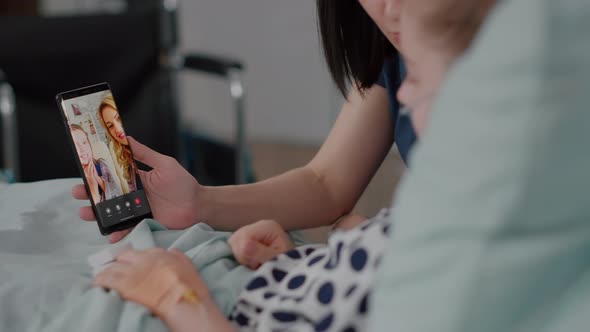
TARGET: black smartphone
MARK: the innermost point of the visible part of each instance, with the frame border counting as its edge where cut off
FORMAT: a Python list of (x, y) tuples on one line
[(104, 157)]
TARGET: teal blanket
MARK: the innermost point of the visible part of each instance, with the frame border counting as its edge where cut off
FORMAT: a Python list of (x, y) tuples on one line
[(45, 275)]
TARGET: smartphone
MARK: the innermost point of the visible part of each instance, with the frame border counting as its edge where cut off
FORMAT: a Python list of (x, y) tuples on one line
[(104, 157)]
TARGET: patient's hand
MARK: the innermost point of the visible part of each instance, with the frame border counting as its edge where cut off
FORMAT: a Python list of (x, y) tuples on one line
[(255, 244), (155, 278), (171, 190)]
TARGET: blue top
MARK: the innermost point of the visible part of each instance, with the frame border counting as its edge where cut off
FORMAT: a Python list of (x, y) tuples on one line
[(403, 132)]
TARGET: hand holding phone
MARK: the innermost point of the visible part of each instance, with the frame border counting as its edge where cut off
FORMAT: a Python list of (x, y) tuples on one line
[(104, 157), (174, 194)]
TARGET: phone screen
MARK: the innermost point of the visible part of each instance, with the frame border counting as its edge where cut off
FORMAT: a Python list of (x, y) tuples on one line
[(104, 157)]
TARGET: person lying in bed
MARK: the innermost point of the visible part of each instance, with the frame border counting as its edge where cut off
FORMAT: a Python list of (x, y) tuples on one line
[(312, 287)]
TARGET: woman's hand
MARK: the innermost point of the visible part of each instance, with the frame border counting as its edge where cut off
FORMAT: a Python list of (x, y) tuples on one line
[(255, 244), (173, 193), (154, 278)]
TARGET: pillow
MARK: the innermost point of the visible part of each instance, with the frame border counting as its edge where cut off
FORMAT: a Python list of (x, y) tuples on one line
[(493, 219)]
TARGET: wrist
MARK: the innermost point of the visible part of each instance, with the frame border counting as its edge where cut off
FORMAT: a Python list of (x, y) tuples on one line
[(178, 296), (178, 311), (204, 204), (180, 314), (208, 205), (187, 316), (181, 292)]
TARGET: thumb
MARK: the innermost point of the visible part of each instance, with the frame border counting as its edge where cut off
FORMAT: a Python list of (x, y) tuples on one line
[(144, 154)]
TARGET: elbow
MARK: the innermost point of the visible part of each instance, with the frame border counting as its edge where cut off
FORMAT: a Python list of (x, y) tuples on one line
[(337, 201), (343, 207)]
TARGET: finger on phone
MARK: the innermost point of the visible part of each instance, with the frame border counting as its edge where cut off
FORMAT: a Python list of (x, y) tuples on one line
[(86, 213), (144, 154), (118, 236), (79, 192)]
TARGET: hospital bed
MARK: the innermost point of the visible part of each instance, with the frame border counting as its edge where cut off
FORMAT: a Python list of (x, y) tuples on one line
[(46, 277)]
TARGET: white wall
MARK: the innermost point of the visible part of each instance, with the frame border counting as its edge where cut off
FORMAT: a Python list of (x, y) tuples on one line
[(289, 93)]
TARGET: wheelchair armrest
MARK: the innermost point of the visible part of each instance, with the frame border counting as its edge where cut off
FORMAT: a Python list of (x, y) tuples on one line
[(211, 64), (229, 69), (9, 139)]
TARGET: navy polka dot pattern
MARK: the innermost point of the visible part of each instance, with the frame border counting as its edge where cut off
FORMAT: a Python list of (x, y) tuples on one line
[(314, 287), (326, 293), (315, 260), (350, 291), (333, 263), (268, 295), (242, 320), (294, 254), (284, 316), (358, 260), (258, 282), (325, 323), (363, 304), (278, 275), (296, 282)]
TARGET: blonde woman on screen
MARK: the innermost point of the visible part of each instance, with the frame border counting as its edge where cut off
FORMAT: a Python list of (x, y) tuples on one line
[(108, 116)]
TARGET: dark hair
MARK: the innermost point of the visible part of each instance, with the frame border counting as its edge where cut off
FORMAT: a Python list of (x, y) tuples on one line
[(354, 47)]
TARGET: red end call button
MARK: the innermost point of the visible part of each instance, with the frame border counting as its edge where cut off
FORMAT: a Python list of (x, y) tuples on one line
[(137, 201)]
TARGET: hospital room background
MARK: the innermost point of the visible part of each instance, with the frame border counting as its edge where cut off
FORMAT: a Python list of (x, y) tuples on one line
[(488, 230), (290, 100)]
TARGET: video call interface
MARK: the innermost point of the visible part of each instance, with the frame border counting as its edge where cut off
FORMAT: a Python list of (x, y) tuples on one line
[(105, 156)]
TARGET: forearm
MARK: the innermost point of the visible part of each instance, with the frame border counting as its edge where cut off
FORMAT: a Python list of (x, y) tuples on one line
[(296, 199), (200, 317), (324, 190)]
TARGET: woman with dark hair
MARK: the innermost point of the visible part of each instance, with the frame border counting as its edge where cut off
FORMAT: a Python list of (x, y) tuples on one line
[(366, 66), (361, 52)]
